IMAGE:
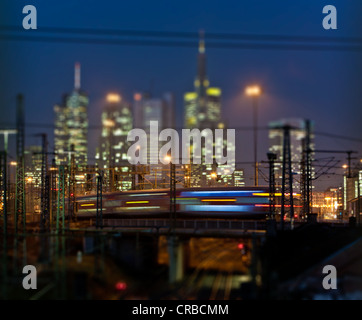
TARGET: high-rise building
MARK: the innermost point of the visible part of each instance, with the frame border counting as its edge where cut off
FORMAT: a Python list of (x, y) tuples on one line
[(71, 125), (352, 202), (146, 109), (298, 134), (32, 163), (203, 105), (112, 151), (203, 111)]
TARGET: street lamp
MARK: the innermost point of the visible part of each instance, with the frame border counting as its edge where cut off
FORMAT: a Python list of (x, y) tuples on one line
[(254, 92), (213, 176)]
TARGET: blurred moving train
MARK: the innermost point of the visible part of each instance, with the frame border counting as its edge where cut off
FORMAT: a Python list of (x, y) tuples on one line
[(227, 202)]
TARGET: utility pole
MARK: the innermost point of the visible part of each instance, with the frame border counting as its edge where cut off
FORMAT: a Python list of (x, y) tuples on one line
[(44, 218), (306, 176), (61, 198), (133, 176), (72, 182), (173, 195), (20, 210), (3, 191), (271, 157), (53, 193), (287, 179), (99, 213), (187, 178)]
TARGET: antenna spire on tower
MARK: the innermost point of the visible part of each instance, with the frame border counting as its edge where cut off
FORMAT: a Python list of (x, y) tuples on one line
[(77, 76), (201, 41)]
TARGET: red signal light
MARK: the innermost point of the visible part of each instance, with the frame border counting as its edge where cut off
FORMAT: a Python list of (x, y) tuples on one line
[(241, 246), (120, 286)]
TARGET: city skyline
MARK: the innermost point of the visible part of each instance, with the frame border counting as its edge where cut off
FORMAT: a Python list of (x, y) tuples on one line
[(296, 83), (195, 150)]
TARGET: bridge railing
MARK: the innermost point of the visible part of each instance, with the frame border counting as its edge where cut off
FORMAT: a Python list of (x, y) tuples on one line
[(186, 224)]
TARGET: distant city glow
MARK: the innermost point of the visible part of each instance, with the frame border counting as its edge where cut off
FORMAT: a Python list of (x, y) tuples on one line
[(108, 123)]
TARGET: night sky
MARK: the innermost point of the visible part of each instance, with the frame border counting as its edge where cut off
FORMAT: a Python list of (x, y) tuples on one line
[(323, 86)]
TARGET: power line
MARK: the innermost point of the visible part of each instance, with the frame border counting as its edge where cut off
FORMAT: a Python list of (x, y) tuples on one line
[(99, 127), (172, 43), (336, 136), (189, 35), (246, 128)]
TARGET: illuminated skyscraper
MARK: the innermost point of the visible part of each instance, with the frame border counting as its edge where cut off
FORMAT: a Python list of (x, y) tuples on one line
[(146, 109), (203, 111), (71, 125), (203, 106), (112, 152)]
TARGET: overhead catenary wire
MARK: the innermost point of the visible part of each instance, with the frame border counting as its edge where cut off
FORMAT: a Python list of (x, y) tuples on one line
[(187, 34), (167, 38), (240, 128)]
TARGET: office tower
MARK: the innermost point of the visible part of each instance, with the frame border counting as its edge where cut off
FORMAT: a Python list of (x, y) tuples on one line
[(352, 192), (147, 108), (297, 137), (71, 125), (111, 154), (239, 178), (203, 111), (203, 105), (161, 109), (32, 164)]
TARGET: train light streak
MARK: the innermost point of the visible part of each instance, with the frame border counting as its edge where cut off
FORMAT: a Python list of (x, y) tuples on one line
[(215, 200), (132, 202)]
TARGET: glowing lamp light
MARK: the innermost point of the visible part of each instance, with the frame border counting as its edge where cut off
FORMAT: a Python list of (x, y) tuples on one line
[(344, 166), (137, 97), (168, 159), (120, 286), (29, 180), (113, 97), (241, 246), (13, 163), (253, 91), (213, 175)]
